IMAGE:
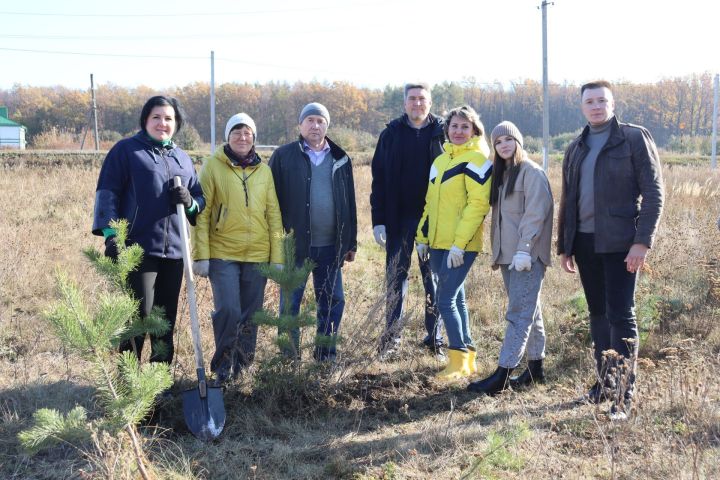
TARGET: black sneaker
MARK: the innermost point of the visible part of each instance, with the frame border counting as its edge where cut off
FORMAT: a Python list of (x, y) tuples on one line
[(435, 349), (221, 378), (620, 410), (595, 396)]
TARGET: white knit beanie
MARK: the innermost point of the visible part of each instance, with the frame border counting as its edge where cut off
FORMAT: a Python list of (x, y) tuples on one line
[(240, 119)]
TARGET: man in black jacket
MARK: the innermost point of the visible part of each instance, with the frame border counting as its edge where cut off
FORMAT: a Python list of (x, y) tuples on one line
[(314, 184), (400, 169), (612, 198)]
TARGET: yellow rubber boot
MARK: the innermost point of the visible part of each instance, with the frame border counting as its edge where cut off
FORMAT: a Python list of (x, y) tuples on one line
[(457, 366), (472, 366)]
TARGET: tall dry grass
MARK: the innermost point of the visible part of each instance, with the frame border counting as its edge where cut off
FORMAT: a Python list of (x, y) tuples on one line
[(366, 419)]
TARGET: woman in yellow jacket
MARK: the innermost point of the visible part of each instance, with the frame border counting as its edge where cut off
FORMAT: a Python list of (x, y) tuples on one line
[(450, 230), (240, 227)]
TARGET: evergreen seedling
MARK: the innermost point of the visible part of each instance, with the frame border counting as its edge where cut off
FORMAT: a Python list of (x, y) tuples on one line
[(289, 278), (93, 330)]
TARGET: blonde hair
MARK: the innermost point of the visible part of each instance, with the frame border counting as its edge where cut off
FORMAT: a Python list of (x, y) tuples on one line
[(469, 114)]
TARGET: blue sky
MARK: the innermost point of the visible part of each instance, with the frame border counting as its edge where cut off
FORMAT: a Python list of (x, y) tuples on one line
[(366, 42)]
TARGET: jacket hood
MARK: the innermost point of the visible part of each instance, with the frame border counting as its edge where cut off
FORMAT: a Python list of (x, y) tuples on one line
[(402, 121), (475, 144), (142, 137)]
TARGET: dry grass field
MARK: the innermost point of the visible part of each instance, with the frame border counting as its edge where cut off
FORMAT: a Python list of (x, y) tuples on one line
[(363, 419)]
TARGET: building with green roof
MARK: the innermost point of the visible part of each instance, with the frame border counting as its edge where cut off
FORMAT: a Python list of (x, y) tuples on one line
[(12, 135)]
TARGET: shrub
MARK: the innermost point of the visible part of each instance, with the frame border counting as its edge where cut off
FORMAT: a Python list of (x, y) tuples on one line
[(188, 138), (698, 145), (55, 139), (352, 140)]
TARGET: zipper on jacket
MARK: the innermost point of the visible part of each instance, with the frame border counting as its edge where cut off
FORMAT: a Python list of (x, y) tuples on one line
[(166, 242), (219, 215)]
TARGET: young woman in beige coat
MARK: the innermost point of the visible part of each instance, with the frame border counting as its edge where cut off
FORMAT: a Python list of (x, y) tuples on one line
[(521, 231)]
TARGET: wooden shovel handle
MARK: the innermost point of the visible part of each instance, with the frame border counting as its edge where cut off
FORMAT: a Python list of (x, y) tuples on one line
[(192, 301)]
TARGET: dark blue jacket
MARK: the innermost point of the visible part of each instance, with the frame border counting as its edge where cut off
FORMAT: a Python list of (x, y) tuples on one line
[(134, 182), (387, 170), (292, 173)]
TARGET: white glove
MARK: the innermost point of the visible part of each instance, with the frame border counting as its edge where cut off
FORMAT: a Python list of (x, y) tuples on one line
[(455, 257), (278, 266), (201, 268), (521, 261), (380, 235), (423, 251)]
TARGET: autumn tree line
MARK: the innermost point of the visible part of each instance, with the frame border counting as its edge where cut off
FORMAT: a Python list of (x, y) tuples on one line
[(673, 109)]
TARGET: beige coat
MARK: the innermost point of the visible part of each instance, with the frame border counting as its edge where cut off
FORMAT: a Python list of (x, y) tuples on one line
[(522, 221)]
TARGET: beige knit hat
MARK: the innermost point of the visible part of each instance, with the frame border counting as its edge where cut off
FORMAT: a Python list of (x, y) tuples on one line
[(506, 128)]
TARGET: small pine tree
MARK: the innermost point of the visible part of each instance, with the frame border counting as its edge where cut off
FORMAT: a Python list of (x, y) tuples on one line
[(94, 330), (289, 278)]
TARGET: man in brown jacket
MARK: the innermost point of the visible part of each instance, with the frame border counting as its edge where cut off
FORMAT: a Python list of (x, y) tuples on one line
[(612, 198)]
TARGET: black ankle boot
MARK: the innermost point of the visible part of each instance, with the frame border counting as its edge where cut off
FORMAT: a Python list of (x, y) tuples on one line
[(495, 383), (534, 373)]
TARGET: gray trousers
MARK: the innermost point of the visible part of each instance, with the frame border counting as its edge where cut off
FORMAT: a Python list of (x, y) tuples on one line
[(238, 291), (525, 328)]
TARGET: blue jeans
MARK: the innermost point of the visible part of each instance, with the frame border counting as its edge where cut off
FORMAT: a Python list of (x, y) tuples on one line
[(329, 297), (525, 329), (610, 294), (238, 291), (400, 247), (451, 297)]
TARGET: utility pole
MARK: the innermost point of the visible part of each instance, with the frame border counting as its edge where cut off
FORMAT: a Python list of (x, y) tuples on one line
[(713, 158), (94, 112), (212, 101), (546, 96)]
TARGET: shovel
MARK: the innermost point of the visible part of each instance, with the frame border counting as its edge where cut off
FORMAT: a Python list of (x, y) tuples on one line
[(203, 406)]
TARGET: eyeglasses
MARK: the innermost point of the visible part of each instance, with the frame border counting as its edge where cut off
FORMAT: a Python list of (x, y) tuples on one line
[(241, 133)]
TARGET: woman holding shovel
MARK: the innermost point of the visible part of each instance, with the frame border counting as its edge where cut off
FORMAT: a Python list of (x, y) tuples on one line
[(136, 184), (240, 229)]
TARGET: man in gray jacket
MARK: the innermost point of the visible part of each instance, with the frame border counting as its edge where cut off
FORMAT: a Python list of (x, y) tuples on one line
[(612, 198)]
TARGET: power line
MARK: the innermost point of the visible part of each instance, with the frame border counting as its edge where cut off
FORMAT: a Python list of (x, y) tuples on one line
[(196, 14), (180, 57), (125, 37), (25, 50)]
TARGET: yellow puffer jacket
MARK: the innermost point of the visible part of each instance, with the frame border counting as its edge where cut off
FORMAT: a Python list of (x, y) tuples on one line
[(458, 197), (241, 220)]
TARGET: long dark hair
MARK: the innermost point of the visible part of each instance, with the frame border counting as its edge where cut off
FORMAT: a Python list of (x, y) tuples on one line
[(162, 101), (498, 172)]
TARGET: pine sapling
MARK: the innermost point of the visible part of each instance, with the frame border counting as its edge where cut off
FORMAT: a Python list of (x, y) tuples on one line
[(93, 329), (289, 277)]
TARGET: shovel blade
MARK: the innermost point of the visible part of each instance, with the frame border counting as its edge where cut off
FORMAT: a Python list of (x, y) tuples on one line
[(205, 417)]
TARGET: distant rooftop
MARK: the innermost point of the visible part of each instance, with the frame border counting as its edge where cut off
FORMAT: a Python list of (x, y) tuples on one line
[(5, 121)]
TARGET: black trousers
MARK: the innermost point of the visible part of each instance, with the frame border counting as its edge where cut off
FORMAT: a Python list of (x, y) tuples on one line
[(610, 294), (156, 283)]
